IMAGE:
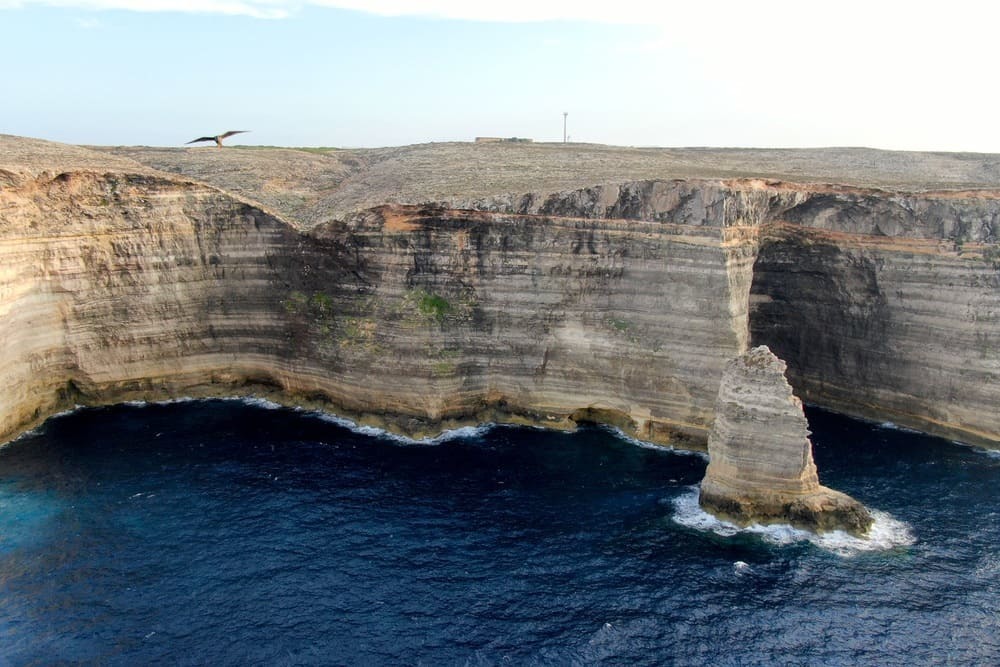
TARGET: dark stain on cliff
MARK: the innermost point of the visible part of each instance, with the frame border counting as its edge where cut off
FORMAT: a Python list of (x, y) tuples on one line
[(821, 309), (584, 239)]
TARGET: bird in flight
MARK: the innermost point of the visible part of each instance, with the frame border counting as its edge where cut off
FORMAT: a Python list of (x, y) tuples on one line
[(218, 138)]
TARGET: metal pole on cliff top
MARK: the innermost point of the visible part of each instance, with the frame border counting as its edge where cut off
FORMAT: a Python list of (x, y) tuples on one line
[(565, 113)]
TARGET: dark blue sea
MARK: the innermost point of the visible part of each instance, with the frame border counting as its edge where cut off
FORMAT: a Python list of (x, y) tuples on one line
[(232, 533)]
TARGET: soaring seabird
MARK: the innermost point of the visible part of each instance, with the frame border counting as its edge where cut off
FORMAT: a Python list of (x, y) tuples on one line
[(217, 139)]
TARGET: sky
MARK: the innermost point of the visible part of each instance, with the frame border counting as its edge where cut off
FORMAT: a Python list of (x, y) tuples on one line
[(352, 73)]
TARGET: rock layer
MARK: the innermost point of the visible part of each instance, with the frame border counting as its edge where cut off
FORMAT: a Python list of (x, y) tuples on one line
[(760, 458)]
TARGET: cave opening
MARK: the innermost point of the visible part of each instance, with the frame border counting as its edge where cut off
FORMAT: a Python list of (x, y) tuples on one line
[(821, 309)]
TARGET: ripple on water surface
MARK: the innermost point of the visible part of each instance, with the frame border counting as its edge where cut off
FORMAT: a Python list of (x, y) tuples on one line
[(223, 532)]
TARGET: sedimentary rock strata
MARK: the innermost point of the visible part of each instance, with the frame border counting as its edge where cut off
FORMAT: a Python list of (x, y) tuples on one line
[(899, 329), (760, 458), (136, 287), (619, 302)]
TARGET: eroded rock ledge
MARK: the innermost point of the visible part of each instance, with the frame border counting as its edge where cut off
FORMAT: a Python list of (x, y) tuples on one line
[(760, 458)]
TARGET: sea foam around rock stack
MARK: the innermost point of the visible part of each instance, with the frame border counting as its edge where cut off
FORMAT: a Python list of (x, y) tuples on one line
[(760, 457)]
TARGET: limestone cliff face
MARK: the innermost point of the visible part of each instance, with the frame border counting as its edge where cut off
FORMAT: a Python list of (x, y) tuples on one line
[(760, 458), (114, 285), (619, 303), (551, 316), (906, 330), (121, 286)]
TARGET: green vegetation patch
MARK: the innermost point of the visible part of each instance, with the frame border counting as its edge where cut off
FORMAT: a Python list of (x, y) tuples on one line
[(318, 305), (618, 324), (626, 329), (433, 305), (359, 332), (296, 304), (419, 307), (321, 303), (444, 369)]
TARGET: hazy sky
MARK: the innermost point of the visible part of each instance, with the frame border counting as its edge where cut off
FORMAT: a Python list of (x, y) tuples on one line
[(903, 75)]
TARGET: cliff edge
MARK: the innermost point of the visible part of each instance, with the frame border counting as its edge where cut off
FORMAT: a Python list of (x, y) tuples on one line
[(760, 458)]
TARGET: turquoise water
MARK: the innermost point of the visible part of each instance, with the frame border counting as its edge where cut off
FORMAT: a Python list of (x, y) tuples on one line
[(220, 532)]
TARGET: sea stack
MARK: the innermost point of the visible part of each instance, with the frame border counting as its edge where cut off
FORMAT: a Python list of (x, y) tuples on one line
[(760, 457)]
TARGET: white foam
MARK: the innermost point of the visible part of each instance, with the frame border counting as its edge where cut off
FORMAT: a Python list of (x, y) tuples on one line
[(375, 432), (263, 403), (246, 400), (886, 532), (259, 403), (988, 453), (891, 426), (372, 431), (67, 412), (645, 444), (38, 429), (464, 432), (991, 453), (23, 435)]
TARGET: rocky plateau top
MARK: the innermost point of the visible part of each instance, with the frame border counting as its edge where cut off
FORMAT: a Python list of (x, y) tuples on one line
[(312, 185)]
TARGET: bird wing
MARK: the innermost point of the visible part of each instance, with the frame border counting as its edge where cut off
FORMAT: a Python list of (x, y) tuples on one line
[(231, 133), (194, 141)]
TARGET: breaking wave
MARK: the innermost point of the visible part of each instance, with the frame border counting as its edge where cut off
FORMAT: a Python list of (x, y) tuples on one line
[(343, 422), (38, 429), (886, 532), (892, 426), (982, 451), (253, 401), (621, 435), (375, 432)]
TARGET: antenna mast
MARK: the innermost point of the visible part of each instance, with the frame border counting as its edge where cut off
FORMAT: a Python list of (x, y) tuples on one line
[(565, 113)]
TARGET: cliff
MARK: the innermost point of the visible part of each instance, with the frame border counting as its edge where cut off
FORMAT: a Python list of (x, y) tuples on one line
[(760, 458), (441, 298)]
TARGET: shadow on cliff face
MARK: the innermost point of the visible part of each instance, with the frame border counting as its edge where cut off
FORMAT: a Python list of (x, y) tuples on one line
[(821, 308)]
